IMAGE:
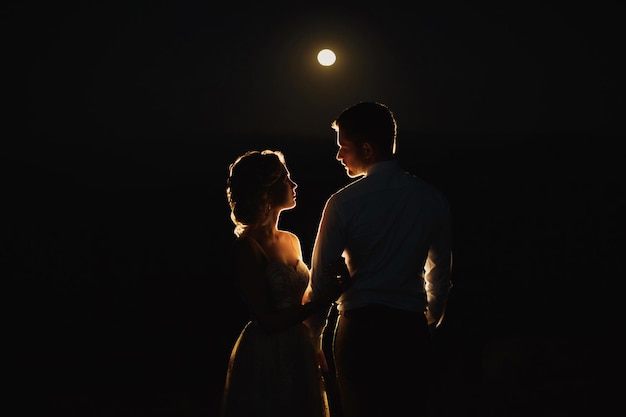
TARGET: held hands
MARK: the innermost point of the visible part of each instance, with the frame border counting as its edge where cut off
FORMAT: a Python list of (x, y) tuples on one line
[(338, 280), (338, 276)]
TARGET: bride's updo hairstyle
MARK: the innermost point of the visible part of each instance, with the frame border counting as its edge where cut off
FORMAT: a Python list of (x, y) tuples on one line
[(247, 187)]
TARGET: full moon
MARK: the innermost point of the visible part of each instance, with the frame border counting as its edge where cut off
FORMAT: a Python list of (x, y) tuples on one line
[(326, 57)]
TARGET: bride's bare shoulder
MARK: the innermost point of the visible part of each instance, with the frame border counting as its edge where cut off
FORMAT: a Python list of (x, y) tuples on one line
[(292, 242)]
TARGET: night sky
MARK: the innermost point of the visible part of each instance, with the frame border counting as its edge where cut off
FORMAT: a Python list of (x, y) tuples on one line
[(197, 68), (121, 120)]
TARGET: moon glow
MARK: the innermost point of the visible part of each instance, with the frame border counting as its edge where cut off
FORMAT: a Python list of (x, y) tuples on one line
[(326, 57)]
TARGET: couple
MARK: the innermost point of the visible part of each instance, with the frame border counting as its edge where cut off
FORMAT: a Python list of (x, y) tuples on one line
[(394, 232)]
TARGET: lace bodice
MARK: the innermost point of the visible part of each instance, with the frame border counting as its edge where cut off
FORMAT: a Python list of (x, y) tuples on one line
[(287, 283)]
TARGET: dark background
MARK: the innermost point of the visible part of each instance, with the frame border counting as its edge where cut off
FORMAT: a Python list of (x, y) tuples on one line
[(122, 120)]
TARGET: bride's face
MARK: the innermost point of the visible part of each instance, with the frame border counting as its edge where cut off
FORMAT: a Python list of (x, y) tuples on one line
[(283, 191)]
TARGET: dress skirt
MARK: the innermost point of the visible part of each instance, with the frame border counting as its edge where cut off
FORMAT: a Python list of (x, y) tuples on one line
[(275, 375)]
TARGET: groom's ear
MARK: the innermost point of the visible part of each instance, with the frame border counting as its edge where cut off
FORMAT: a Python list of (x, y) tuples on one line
[(368, 151)]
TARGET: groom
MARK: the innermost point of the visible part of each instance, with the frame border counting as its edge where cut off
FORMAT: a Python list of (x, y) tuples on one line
[(395, 232)]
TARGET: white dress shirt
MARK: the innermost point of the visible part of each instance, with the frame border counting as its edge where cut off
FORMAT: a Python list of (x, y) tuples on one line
[(394, 230)]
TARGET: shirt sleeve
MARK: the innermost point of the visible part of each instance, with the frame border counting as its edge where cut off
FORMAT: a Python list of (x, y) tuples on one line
[(438, 271), (328, 247)]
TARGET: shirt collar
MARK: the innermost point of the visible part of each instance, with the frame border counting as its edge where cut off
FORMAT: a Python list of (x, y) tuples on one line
[(382, 166)]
